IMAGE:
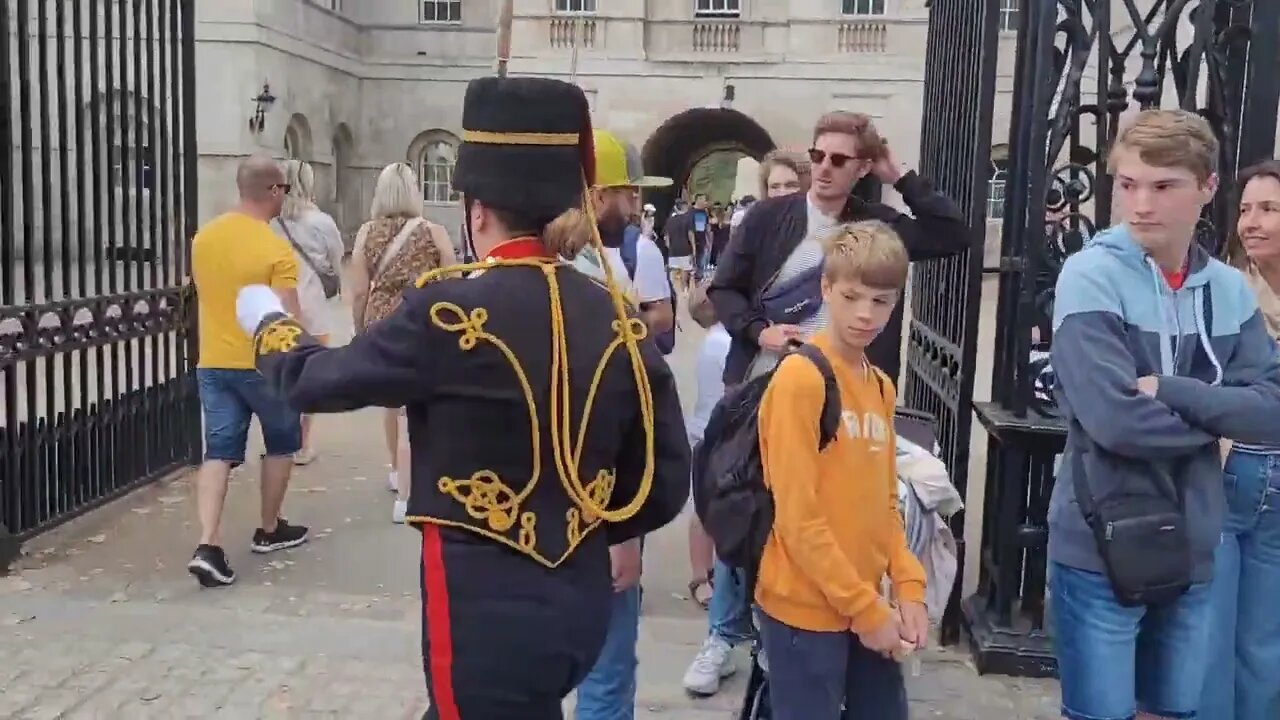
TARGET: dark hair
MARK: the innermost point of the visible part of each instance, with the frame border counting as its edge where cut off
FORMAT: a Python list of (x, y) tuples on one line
[(1266, 168), (566, 234)]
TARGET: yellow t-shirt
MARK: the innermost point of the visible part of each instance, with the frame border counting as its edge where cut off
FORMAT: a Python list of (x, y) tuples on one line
[(837, 530), (232, 251)]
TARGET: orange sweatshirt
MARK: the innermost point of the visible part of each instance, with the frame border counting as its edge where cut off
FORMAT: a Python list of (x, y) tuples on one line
[(836, 530)]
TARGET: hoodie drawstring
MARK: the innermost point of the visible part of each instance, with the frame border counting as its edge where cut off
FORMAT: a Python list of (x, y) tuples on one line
[(1173, 327), (1205, 339)]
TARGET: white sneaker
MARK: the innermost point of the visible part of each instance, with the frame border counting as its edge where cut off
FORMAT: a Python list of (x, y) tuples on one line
[(713, 663), (398, 511)]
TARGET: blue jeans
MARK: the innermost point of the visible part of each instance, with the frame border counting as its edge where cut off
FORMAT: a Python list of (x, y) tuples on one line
[(609, 690), (1244, 670), (230, 399), (728, 613), (1115, 660), (829, 676)]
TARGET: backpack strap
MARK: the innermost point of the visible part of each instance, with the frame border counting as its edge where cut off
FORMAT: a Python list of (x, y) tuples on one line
[(630, 250), (829, 423)]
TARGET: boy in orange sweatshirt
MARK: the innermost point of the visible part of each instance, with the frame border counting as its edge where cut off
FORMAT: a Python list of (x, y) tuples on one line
[(830, 637)]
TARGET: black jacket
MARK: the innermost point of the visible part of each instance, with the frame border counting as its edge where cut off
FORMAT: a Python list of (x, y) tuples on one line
[(770, 232), (471, 422)]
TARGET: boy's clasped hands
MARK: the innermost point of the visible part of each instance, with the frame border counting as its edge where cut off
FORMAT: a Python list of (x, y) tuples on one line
[(906, 631)]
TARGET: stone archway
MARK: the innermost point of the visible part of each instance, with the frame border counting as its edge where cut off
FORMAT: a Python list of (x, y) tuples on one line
[(345, 190), (686, 138)]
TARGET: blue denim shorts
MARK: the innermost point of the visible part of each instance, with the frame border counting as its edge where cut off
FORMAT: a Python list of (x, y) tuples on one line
[(1114, 661), (230, 399)]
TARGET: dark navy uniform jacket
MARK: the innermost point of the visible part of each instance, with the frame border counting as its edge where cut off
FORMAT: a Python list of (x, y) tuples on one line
[(472, 360)]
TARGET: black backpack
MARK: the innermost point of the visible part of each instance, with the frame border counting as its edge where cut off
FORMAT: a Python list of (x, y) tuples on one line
[(729, 495)]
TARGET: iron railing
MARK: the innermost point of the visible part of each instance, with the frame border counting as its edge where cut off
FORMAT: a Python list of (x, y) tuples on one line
[(1081, 64), (97, 200), (946, 294)]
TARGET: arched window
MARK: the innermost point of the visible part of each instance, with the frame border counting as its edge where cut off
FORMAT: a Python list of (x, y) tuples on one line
[(995, 194), (997, 181), (435, 167)]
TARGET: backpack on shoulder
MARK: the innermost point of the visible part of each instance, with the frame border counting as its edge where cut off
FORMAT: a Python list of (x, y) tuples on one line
[(729, 493), (630, 252)]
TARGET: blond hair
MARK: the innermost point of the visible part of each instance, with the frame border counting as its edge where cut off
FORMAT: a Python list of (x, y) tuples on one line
[(842, 122), (796, 162), (301, 180), (397, 193), (1171, 139), (869, 251)]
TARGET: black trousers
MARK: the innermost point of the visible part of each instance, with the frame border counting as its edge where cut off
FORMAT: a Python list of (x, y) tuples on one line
[(503, 637)]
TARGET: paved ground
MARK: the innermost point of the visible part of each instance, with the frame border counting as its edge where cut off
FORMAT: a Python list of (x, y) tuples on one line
[(101, 620)]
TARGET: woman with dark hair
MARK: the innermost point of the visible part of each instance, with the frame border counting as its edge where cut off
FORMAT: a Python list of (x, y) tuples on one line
[(1244, 676)]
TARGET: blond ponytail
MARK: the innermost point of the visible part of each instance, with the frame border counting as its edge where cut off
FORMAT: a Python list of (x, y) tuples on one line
[(568, 234)]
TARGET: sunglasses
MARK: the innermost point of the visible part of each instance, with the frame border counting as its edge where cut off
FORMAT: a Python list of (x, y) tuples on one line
[(286, 187), (838, 160)]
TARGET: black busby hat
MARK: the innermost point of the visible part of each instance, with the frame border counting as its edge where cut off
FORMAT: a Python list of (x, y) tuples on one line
[(526, 145)]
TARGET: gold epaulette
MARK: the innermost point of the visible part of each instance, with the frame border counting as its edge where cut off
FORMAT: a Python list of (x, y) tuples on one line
[(279, 335)]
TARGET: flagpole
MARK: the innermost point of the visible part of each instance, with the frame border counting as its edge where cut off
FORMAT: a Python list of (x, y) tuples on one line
[(504, 37)]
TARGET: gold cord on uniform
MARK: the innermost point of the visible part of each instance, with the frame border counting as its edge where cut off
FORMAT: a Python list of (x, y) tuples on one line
[(485, 495)]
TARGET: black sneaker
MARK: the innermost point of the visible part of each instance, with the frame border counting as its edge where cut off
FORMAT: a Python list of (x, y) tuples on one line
[(209, 565), (284, 536)]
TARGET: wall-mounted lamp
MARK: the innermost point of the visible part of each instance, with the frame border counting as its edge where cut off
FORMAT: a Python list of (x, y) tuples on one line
[(262, 103), (726, 102)]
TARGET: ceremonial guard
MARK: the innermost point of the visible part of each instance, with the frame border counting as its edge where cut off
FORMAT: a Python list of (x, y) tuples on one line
[(544, 427)]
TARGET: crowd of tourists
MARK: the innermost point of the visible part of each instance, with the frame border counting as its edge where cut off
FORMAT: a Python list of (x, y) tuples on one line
[(1163, 561)]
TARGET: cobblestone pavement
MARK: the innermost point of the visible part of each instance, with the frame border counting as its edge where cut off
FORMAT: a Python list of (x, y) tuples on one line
[(100, 619)]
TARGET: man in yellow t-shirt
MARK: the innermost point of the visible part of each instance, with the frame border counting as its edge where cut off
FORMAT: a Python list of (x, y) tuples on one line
[(233, 250)]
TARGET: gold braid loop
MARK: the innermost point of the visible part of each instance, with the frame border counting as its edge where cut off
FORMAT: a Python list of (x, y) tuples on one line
[(593, 499)]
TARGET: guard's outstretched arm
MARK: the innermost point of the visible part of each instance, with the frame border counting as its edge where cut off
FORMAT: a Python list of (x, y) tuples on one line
[(384, 366), (670, 454)]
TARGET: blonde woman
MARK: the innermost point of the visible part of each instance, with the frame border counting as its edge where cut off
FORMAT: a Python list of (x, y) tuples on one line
[(318, 245), (391, 250)]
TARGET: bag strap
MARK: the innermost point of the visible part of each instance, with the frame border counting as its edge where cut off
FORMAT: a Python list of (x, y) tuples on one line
[(306, 257), (829, 422), (393, 248)]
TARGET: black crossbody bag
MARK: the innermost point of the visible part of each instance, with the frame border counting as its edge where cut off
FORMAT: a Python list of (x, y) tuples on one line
[(1141, 536)]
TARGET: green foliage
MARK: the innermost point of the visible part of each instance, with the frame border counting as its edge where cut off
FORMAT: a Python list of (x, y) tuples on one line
[(715, 175)]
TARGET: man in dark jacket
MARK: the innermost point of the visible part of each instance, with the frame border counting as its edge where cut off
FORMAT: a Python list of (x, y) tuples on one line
[(779, 242)]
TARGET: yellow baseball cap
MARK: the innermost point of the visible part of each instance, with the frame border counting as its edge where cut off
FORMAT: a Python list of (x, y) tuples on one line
[(618, 164)]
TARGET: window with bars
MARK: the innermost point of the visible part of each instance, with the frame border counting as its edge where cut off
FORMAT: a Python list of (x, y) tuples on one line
[(1009, 15), (717, 8), (862, 7), (436, 171), (575, 6), (441, 11)]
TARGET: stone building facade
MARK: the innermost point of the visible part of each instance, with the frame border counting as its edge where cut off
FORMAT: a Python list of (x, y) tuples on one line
[(358, 84)]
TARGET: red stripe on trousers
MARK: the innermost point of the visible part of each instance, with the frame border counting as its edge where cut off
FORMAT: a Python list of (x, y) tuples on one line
[(436, 616)]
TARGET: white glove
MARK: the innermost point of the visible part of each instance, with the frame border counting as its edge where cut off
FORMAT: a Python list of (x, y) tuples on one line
[(253, 303)]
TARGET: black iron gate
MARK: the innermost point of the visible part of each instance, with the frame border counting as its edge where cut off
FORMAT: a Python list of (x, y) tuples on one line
[(97, 199), (946, 294), (1081, 64)]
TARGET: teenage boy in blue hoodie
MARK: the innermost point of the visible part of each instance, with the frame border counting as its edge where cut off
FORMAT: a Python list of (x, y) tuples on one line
[(1159, 351)]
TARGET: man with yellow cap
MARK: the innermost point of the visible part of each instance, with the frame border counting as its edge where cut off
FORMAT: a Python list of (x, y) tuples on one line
[(634, 260), (608, 692), (543, 427)]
